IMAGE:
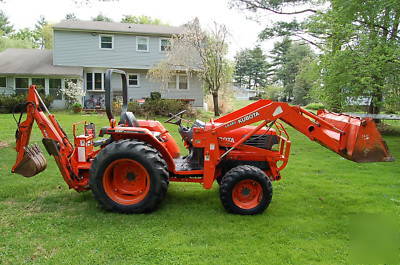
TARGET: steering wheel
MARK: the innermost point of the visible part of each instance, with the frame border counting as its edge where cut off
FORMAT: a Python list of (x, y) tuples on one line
[(176, 118)]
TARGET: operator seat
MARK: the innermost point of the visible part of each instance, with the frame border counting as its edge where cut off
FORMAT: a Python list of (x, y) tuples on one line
[(187, 133), (128, 118)]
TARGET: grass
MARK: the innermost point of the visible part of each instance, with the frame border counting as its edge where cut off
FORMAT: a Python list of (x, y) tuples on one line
[(311, 219)]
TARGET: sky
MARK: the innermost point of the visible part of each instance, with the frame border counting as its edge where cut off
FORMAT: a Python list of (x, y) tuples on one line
[(243, 31)]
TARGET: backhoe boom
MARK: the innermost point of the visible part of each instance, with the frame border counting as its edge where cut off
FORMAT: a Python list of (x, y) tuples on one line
[(30, 161)]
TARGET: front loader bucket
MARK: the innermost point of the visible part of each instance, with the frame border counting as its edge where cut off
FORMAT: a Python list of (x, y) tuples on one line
[(361, 141), (33, 162)]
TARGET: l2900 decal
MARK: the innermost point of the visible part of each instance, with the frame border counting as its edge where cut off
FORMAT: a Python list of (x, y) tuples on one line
[(228, 139), (244, 119)]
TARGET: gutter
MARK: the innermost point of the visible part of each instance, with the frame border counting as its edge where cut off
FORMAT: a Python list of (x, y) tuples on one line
[(136, 33)]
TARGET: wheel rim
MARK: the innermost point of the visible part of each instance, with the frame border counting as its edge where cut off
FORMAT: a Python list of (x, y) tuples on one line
[(126, 181), (247, 194)]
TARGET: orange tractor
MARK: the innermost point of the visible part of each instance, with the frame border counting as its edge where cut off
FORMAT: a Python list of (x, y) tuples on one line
[(130, 168)]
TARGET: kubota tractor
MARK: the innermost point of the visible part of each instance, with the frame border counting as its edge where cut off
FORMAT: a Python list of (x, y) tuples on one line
[(129, 168)]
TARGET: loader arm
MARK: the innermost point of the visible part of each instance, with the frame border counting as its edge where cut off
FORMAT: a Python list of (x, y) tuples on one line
[(30, 161), (353, 138)]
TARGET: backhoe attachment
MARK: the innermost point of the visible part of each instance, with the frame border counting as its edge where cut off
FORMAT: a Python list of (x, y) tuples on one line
[(361, 141), (32, 163)]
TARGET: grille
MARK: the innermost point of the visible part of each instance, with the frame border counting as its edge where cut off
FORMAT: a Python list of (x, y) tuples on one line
[(262, 141)]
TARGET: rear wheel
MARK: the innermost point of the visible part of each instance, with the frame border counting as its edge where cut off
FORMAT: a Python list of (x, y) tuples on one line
[(129, 176), (245, 190)]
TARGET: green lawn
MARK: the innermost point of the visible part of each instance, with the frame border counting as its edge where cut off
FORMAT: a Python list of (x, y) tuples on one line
[(321, 200)]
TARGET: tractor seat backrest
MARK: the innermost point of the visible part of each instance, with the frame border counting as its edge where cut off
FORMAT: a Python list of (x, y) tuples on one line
[(127, 118)]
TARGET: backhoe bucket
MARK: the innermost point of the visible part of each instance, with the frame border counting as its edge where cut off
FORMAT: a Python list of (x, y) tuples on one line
[(33, 162), (361, 141)]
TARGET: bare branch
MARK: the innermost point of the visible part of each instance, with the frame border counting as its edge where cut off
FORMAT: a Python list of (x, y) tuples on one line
[(258, 4)]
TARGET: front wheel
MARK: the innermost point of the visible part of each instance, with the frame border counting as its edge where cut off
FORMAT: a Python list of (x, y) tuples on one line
[(245, 190), (129, 176)]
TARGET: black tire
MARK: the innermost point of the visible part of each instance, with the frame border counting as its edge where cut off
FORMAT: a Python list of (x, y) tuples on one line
[(219, 180), (239, 174), (141, 153)]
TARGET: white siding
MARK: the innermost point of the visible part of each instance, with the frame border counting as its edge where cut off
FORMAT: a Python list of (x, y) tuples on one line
[(82, 49), (147, 86)]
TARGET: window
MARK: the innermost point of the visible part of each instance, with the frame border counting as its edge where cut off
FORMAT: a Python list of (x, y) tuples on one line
[(3, 81), (172, 82), (22, 83), (165, 44), (183, 81), (89, 81), (178, 82), (98, 81), (142, 44), (94, 81), (106, 42), (39, 82), (55, 88), (133, 80)]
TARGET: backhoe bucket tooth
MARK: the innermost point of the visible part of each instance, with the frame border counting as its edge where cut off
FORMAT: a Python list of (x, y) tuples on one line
[(33, 162), (362, 141)]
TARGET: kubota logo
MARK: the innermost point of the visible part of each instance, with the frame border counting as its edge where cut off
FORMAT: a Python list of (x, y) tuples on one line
[(249, 117)]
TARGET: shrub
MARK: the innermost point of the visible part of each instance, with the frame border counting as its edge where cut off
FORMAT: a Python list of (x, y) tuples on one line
[(136, 108), (274, 93), (315, 106), (155, 95), (76, 107), (117, 105), (159, 107), (9, 103)]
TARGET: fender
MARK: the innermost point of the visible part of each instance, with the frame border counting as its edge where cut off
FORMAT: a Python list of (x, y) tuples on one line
[(145, 135)]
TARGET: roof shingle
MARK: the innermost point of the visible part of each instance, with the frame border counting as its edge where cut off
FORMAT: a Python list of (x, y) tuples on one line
[(102, 26), (33, 62)]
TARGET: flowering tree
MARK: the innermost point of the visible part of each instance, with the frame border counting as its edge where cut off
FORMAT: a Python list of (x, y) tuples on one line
[(198, 51), (73, 92)]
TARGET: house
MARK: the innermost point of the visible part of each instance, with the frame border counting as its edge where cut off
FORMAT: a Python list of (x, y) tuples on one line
[(242, 93), (20, 68), (84, 50)]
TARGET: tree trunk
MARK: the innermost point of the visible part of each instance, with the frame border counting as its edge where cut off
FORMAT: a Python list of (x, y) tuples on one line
[(215, 101), (375, 108)]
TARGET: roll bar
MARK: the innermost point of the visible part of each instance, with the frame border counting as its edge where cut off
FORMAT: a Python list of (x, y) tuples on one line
[(107, 85)]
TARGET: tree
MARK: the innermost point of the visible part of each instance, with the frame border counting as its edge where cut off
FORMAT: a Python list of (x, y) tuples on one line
[(141, 20), (6, 43), (71, 16), (251, 68), (73, 92), (363, 50), (298, 30), (23, 34), (47, 35), (306, 80), (87, 2), (5, 26), (26, 36), (286, 60), (43, 34), (202, 52), (359, 41), (101, 17)]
